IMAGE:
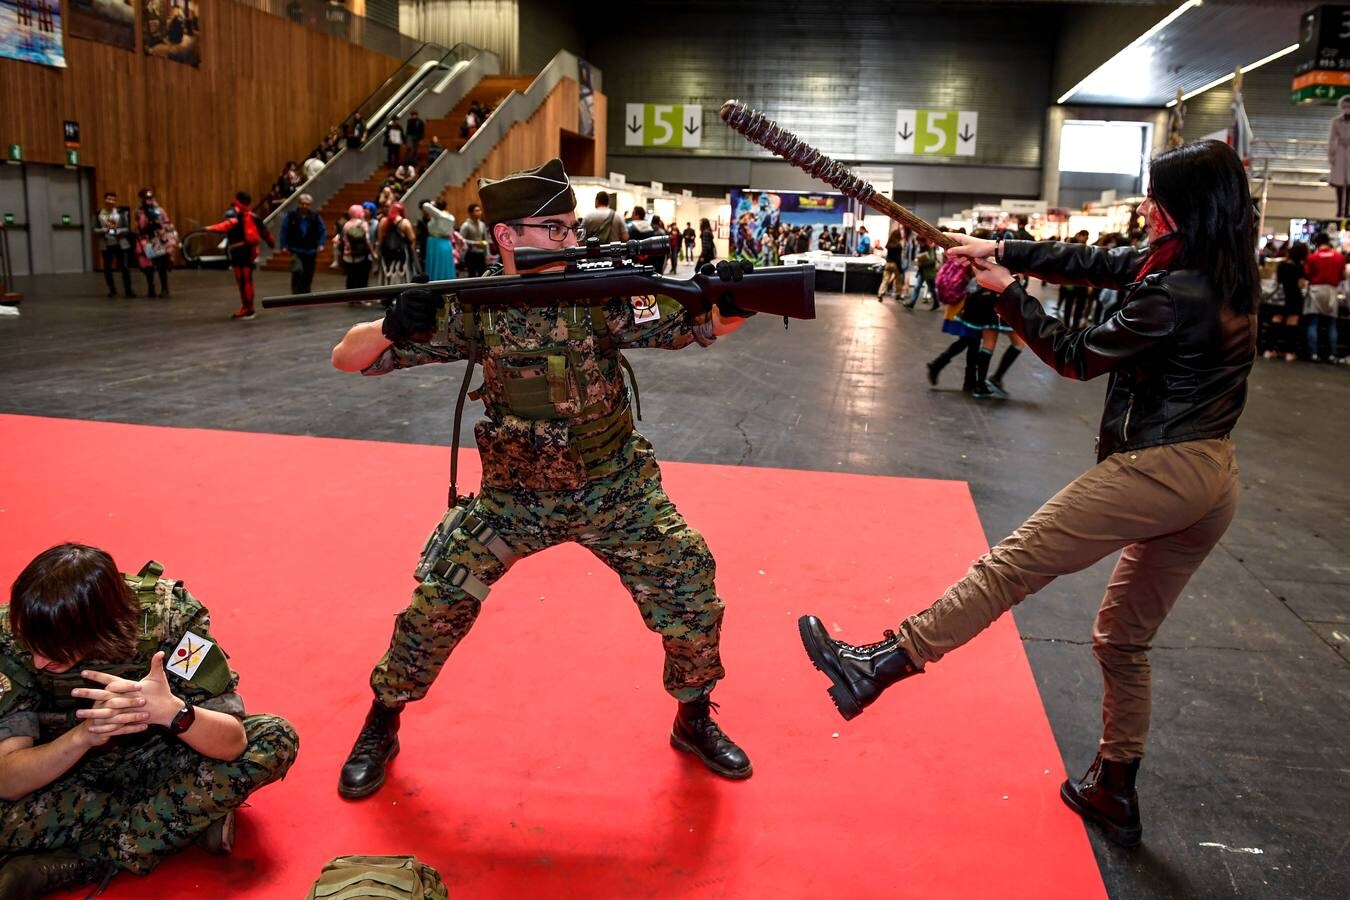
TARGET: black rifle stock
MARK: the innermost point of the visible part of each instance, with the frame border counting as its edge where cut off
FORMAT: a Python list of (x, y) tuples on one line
[(787, 291)]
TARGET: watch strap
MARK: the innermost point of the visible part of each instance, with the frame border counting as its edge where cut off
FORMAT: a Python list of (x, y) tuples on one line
[(184, 718)]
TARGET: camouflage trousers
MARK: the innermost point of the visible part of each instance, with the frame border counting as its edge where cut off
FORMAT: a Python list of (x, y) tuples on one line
[(138, 803), (628, 522)]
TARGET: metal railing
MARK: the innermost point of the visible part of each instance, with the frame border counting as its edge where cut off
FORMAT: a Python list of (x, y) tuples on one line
[(1290, 161), (437, 84), (455, 168), (204, 249)]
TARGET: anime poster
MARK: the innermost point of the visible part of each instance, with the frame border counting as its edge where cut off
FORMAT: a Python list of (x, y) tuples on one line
[(171, 30), (767, 225), (30, 30), (106, 21)]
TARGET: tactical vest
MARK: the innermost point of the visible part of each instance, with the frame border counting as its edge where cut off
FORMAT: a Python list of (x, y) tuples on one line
[(534, 381), (57, 714)]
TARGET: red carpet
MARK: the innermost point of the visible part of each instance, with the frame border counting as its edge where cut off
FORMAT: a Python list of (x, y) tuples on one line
[(539, 766)]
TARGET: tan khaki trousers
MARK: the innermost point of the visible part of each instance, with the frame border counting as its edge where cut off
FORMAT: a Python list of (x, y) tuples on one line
[(890, 278), (1165, 506)]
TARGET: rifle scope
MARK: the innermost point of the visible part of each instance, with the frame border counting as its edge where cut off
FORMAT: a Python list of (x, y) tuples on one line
[(594, 251)]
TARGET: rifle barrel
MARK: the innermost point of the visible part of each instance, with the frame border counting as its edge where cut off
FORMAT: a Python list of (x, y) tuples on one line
[(779, 290)]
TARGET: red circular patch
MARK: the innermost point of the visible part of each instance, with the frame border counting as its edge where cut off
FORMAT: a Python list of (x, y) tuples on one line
[(182, 652)]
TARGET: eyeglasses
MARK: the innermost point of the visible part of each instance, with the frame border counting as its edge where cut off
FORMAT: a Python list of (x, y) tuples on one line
[(557, 231)]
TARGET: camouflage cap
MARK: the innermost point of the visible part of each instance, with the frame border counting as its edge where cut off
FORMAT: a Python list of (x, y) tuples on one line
[(542, 191)]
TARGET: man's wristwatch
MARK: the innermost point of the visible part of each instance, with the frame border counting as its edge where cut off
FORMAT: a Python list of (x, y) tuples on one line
[(184, 719)]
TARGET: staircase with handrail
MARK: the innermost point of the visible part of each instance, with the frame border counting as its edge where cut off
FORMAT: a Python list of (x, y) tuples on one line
[(449, 177), (434, 90)]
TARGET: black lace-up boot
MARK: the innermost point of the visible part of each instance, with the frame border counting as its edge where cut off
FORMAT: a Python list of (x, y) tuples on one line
[(363, 772), (860, 673), (695, 732), (1106, 795), (31, 875), (218, 838)]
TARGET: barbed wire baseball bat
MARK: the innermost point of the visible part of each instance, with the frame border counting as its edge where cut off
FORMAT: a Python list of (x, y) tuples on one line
[(760, 129)]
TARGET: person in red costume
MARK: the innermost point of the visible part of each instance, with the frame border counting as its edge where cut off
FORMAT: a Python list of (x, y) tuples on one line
[(245, 231), (1325, 269)]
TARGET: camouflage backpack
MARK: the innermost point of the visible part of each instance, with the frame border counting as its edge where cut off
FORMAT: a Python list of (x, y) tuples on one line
[(383, 877)]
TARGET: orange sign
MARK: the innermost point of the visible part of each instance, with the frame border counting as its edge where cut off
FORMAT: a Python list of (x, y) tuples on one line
[(1311, 79)]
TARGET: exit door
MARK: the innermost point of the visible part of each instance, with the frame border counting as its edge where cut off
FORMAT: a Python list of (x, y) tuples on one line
[(58, 225), (14, 217)]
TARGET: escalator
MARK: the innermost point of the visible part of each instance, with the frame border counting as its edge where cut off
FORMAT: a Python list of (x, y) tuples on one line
[(432, 81), (533, 119)]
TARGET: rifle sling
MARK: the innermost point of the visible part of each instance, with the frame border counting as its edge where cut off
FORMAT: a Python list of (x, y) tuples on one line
[(471, 329)]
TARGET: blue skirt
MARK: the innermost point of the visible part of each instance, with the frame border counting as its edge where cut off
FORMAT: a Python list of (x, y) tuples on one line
[(440, 259)]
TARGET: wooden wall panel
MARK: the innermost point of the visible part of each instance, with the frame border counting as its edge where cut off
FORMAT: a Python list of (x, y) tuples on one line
[(527, 144), (267, 90)]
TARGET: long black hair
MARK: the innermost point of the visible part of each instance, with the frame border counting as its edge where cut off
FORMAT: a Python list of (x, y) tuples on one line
[(1203, 187)]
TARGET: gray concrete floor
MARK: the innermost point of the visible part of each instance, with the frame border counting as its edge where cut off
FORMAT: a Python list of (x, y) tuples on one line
[(1246, 791)]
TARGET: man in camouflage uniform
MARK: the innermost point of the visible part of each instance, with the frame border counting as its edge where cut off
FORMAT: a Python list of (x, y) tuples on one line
[(111, 759), (561, 462)]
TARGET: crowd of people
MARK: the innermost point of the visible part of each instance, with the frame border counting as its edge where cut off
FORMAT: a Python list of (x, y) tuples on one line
[(1303, 301), (404, 149), (378, 239)]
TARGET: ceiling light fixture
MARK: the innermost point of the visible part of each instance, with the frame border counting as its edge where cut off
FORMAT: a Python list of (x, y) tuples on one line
[(1130, 50), (1229, 77)]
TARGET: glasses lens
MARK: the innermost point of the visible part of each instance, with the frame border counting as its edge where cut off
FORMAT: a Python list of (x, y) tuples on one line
[(559, 232)]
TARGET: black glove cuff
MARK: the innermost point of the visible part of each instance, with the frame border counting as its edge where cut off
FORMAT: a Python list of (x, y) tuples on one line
[(392, 326), (726, 306)]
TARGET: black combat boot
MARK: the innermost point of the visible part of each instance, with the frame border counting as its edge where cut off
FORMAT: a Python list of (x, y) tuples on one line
[(859, 674), (31, 875), (363, 772), (218, 838), (695, 732), (1106, 795)]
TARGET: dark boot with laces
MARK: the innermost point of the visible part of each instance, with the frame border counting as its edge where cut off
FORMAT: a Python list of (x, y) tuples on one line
[(363, 772), (218, 838), (859, 673), (695, 732), (31, 875), (1106, 795)]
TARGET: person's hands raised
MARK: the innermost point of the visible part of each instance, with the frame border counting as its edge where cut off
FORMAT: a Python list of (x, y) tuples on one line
[(992, 276), (971, 247)]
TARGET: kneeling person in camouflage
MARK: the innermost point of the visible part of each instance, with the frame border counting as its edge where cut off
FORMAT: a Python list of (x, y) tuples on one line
[(561, 462), (122, 736)]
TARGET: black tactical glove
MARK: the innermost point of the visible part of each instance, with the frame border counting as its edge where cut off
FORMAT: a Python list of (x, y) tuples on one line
[(729, 270), (412, 312)]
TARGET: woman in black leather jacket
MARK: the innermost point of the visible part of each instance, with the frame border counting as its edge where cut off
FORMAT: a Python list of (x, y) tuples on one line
[(1177, 352)]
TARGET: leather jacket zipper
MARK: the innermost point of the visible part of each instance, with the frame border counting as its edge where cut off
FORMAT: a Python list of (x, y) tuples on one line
[(1125, 427)]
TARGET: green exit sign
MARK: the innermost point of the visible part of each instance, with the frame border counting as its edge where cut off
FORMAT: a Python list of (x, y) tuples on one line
[(72, 157), (1319, 93), (16, 152)]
